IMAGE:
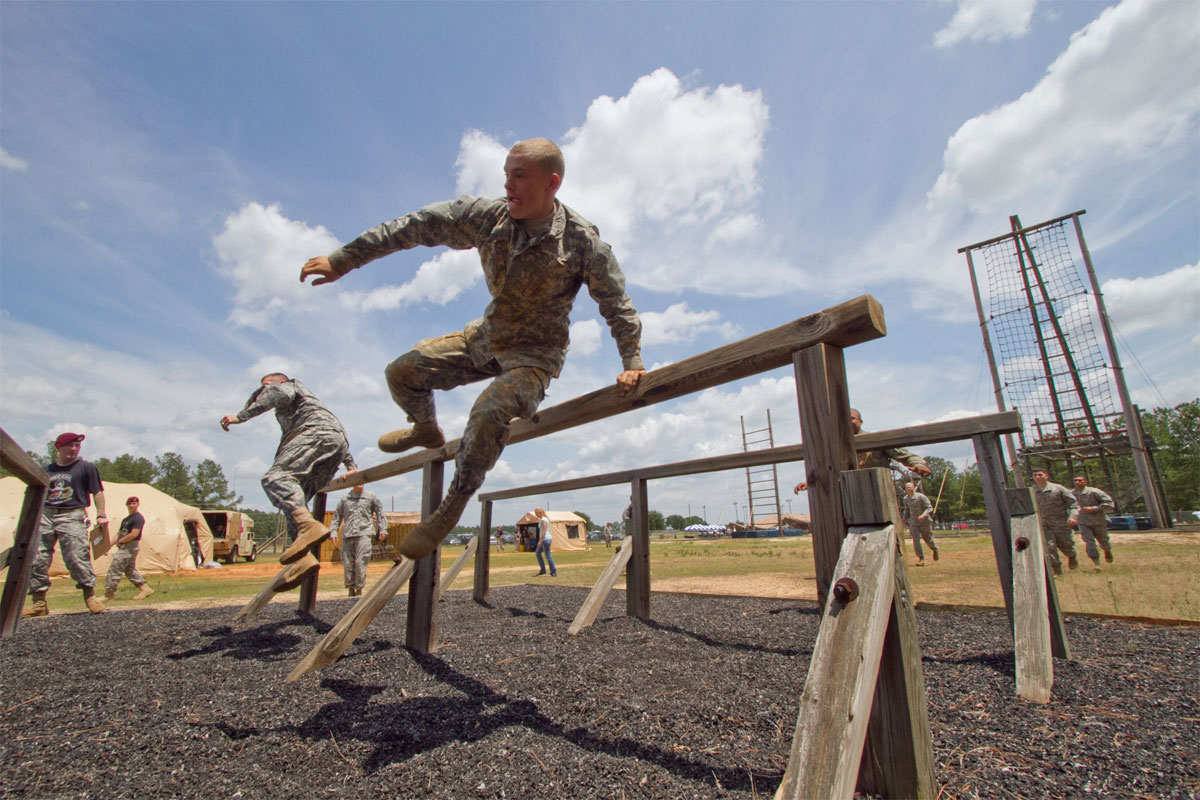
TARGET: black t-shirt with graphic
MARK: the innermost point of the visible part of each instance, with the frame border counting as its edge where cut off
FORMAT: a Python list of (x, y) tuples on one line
[(134, 522), (72, 486)]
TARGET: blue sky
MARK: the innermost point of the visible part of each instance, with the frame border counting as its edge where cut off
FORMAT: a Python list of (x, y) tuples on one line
[(166, 168)]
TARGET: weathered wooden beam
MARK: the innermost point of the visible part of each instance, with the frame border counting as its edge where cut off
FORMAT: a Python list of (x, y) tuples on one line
[(259, 601), (1031, 616), (343, 634), (604, 584), (838, 691), (483, 555), (308, 588), (20, 558), (991, 476), (456, 567), (1021, 502), (637, 572), (421, 629), (17, 461)]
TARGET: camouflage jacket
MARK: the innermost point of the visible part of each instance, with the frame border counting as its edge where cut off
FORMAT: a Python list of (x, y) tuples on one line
[(297, 410), (884, 458), (1091, 496), (916, 505), (533, 280), (358, 514), (1056, 504)]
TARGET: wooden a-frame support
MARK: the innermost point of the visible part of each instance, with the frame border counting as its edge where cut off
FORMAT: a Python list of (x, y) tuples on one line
[(19, 558)]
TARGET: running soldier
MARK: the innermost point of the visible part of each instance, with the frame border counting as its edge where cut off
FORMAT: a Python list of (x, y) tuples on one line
[(124, 561), (536, 254), (1094, 507), (312, 447), (358, 515), (1057, 512), (918, 513)]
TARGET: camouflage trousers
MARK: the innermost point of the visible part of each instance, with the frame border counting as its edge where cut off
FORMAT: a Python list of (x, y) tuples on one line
[(445, 362), (921, 529), (1093, 532), (356, 552), (68, 529), (1058, 537), (303, 466), (124, 562)]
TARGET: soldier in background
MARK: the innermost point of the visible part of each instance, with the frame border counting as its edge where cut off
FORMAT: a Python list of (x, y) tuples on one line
[(536, 254), (358, 514), (880, 458), (1057, 512), (313, 446), (1094, 507), (918, 513), (124, 561)]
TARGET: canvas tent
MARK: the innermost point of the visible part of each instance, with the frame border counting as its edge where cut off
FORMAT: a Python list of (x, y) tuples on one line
[(164, 547), (567, 531)]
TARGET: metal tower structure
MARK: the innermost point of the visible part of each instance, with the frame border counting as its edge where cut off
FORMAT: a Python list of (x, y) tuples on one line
[(762, 483)]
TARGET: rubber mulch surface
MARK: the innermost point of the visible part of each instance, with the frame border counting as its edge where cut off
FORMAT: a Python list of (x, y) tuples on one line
[(699, 703)]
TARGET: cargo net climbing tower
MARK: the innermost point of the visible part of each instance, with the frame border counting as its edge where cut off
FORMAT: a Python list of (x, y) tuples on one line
[(1055, 362)]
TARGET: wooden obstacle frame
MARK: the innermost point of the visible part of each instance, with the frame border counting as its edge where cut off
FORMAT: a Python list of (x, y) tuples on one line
[(19, 558)]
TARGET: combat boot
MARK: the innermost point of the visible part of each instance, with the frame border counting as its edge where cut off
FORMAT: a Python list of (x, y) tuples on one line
[(1057, 568), (110, 594), (309, 532), (1072, 561), (423, 434), (144, 591), (1108, 556), (93, 603), (298, 571), (38, 607), (423, 539)]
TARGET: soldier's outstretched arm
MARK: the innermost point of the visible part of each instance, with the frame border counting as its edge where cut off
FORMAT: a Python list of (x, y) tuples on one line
[(320, 270)]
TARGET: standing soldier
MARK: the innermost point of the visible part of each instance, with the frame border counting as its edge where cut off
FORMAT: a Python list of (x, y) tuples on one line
[(1094, 507), (358, 514), (124, 561), (74, 483), (313, 445), (1057, 512), (918, 514)]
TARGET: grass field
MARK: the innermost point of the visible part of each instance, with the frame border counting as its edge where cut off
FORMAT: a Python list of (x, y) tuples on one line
[(1155, 575)]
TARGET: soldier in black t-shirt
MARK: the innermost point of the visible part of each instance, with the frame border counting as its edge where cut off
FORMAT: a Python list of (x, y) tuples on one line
[(74, 483), (125, 558)]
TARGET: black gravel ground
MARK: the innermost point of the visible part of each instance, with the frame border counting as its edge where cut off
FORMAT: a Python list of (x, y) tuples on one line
[(700, 703)]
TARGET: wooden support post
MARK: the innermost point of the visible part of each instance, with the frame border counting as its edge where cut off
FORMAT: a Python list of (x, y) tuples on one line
[(444, 582), (1031, 617), (421, 633), (604, 584), (308, 588), (828, 450), (284, 580), (1021, 502), (991, 474), (637, 573), (20, 559), (483, 555)]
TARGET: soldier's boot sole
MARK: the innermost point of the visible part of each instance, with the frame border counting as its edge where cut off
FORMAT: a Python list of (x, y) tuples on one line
[(1108, 556), (298, 571), (309, 532), (423, 434), (144, 592), (423, 539)]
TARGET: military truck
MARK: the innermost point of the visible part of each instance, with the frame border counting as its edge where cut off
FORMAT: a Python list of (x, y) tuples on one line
[(233, 535)]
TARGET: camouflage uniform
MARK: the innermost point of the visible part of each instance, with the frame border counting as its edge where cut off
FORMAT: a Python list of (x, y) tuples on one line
[(523, 337), (884, 458), (1093, 525), (920, 527), (313, 445), (124, 561), (358, 515), (1056, 505), (69, 529)]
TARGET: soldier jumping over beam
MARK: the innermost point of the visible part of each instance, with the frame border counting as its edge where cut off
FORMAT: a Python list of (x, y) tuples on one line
[(536, 254)]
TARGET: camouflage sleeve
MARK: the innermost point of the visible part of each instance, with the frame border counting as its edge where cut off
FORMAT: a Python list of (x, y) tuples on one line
[(377, 507), (337, 518), (606, 285), (348, 462), (1071, 503), (271, 396), (906, 457), (926, 506), (1106, 502), (459, 224)]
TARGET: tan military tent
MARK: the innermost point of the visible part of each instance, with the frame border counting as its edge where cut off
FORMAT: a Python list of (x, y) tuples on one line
[(165, 546), (567, 531)]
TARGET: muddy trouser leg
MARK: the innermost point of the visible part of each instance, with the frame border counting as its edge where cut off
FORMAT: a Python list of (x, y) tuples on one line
[(916, 539), (303, 466), (348, 562), (926, 528), (39, 574), (1065, 540), (515, 393), (1093, 533), (361, 558), (443, 362), (1051, 550)]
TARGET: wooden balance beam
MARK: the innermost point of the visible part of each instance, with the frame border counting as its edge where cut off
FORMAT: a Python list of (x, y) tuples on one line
[(19, 557)]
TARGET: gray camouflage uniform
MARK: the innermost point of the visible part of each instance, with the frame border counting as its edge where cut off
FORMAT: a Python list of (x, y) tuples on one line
[(523, 337), (1093, 525), (884, 458), (920, 527), (312, 447), (359, 516), (68, 529), (1056, 505)]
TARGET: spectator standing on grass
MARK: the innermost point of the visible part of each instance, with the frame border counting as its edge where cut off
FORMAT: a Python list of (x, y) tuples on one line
[(1094, 507), (358, 515), (124, 561), (544, 539), (880, 458), (918, 516), (74, 484), (1057, 512)]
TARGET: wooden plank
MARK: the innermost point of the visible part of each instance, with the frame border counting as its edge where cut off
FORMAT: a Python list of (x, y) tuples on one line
[(853, 322), (455, 568), (1031, 616), (1020, 502), (825, 428), (260, 600), (343, 634), (308, 588), (991, 475), (637, 573), (869, 497), (14, 459), (836, 703), (604, 584), (483, 556), (421, 628), (20, 559), (1059, 645)]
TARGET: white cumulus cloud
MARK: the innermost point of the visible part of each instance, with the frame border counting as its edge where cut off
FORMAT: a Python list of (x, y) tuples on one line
[(680, 324), (439, 280), (9, 161), (1166, 300), (986, 20)]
